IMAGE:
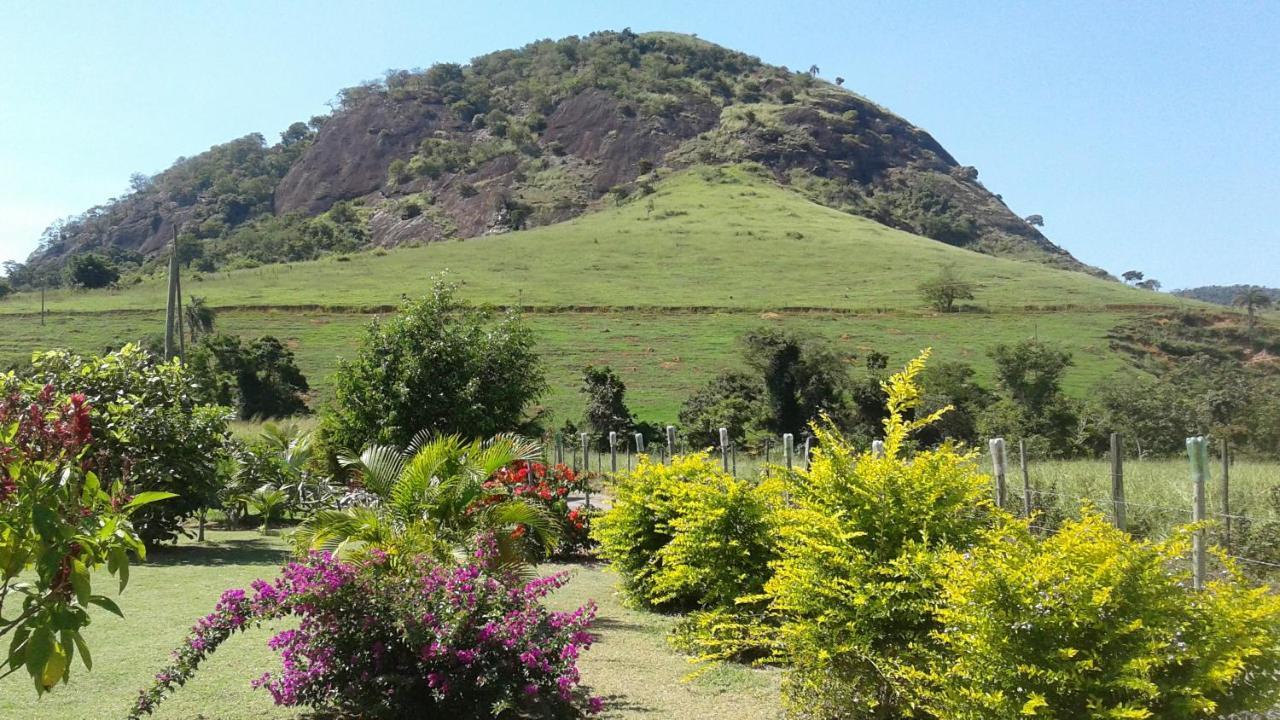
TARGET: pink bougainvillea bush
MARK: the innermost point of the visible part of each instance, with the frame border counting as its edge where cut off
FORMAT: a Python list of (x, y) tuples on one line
[(374, 641)]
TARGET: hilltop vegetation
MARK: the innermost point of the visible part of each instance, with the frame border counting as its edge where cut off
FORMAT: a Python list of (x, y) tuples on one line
[(1226, 294), (532, 137)]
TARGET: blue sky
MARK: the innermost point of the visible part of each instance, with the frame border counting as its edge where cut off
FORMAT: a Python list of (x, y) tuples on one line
[(1145, 133)]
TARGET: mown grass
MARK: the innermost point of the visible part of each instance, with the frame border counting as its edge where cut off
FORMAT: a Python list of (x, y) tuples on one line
[(631, 665)]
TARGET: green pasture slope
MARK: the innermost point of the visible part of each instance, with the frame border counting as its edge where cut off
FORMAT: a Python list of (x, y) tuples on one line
[(658, 287)]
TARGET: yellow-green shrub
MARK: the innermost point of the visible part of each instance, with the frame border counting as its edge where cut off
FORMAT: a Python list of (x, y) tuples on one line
[(862, 556), (686, 534), (1090, 623)]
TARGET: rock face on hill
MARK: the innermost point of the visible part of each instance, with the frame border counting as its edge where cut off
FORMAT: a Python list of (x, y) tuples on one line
[(528, 137)]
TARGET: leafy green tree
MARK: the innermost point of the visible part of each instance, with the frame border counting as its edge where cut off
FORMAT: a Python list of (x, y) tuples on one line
[(803, 378), (1154, 415), (954, 384), (91, 271), (732, 400), (1032, 405), (1252, 300), (431, 498), (6, 288), (607, 409), (1133, 277), (259, 379), (943, 290), (441, 365)]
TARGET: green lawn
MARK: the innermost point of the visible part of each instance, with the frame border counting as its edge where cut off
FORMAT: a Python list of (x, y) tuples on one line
[(631, 665), (659, 288)]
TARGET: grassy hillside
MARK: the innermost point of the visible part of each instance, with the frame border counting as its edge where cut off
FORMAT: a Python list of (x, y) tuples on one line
[(658, 287)]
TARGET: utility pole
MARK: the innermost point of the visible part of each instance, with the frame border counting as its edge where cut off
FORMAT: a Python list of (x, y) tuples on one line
[(173, 309)]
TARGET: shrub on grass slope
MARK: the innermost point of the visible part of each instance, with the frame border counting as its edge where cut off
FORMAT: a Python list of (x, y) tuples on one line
[(388, 641)]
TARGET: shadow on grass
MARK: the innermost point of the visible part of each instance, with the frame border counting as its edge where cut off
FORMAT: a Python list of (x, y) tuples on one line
[(610, 623), (237, 551), (616, 705)]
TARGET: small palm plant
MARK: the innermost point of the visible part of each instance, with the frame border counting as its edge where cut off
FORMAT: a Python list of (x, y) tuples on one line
[(267, 502), (432, 499)]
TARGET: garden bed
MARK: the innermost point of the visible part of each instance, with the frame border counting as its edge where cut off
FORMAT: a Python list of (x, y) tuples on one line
[(631, 665)]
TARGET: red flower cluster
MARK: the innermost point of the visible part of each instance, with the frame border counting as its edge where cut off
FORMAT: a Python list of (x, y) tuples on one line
[(536, 480), (550, 486), (47, 429)]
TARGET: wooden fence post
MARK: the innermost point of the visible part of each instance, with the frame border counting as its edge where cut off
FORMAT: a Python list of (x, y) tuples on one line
[(1028, 502), (671, 442), (768, 445), (998, 465), (1226, 494), (639, 443), (788, 448), (808, 444), (1117, 482), (733, 458), (877, 448), (613, 451), (724, 448), (585, 441), (1197, 451)]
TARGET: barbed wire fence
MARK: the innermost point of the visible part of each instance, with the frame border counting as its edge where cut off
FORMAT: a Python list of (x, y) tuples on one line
[(1017, 487)]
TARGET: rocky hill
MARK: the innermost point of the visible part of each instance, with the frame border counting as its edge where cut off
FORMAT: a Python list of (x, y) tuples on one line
[(535, 136)]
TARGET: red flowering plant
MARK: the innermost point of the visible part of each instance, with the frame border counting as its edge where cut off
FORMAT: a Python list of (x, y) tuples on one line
[(58, 523), (377, 639), (550, 486)]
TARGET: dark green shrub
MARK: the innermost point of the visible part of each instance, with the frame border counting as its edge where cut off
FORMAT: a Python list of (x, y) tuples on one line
[(440, 365), (259, 379), (91, 271)]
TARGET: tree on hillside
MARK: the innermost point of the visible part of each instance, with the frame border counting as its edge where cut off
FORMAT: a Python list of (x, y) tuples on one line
[(943, 290), (200, 318), (1032, 405), (803, 378), (1035, 220), (1133, 276), (839, 81), (1252, 300), (441, 365), (5, 288), (813, 71), (731, 400), (260, 379), (1151, 284), (607, 409), (90, 271)]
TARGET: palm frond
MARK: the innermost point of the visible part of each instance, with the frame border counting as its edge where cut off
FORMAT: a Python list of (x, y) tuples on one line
[(379, 467)]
